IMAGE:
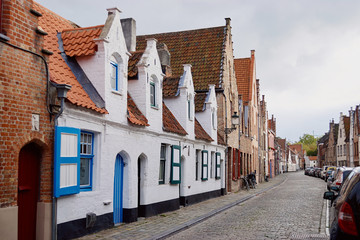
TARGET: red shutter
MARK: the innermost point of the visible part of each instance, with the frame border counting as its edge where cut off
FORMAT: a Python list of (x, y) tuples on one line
[(233, 164), (239, 163)]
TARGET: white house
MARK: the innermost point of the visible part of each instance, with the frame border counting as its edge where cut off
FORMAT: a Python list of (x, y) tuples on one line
[(122, 150)]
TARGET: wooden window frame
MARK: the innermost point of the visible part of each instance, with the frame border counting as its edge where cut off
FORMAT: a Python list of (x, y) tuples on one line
[(175, 165), (204, 165), (90, 158), (162, 162)]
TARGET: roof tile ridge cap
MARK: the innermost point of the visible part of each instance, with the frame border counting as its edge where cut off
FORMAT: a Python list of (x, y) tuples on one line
[(183, 31), (82, 28), (223, 56)]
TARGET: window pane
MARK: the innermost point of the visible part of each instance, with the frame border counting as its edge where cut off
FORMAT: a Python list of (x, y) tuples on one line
[(113, 76), (162, 151), (84, 171), (162, 171), (152, 94)]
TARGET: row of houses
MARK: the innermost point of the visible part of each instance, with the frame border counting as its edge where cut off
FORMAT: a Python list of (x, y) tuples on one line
[(340, 145), (100, 126)]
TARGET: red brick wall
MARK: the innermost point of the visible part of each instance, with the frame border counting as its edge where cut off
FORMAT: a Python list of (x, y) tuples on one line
[(22, 93)]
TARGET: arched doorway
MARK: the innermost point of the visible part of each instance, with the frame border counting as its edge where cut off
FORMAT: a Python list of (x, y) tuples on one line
[(118, 189), (141, 182), (28, 190)]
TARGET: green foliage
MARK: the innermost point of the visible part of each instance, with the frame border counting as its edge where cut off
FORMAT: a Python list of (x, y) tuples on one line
[(309, 143)]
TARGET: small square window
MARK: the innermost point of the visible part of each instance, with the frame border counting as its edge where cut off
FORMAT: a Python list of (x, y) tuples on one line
[(86, 160)]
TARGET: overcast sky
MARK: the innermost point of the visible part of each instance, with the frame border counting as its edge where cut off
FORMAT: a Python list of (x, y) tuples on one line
[(307, 51)]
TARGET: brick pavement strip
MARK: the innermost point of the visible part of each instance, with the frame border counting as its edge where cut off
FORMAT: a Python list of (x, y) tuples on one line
[(164, 225)]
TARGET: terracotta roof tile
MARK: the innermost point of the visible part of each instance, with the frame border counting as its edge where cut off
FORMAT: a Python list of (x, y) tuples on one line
[(133, 60), (200, 98), (80, 41), (220, 139), (135, 116), (202, 48), (59, 71), (170, 86), (242, 73), (200, 133), (170, 124), (312, 158)]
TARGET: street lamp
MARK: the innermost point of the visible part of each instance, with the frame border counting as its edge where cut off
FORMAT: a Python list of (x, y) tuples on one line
[(235, 121)]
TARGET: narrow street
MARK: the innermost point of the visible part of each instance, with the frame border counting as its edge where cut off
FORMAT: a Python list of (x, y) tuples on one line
[(289, 206), (290, 211)]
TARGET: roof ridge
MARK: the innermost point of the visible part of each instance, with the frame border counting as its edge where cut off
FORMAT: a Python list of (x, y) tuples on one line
[(84, 28), (200, 29)]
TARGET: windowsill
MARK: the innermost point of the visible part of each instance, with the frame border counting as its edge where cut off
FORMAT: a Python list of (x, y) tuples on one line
[(117, 92), (155, 107), (85, 189)]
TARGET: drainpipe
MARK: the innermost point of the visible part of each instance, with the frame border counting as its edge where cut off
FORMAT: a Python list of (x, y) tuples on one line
[(62, 90), (226, 149)]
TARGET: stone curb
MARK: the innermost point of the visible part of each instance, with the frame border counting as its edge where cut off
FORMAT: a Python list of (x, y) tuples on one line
[(202, 218)]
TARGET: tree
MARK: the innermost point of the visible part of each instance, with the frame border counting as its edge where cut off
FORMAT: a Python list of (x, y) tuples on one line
[(309, 143)]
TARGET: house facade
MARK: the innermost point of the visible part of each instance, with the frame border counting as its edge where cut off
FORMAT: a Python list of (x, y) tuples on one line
[(212, 64), (331, 153), (342, 145), (129, 128)]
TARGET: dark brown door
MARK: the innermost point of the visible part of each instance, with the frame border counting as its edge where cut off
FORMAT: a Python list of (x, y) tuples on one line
[(29, 166)]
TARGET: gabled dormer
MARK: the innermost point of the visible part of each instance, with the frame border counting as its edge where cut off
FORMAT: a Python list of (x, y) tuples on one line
[(145, 83), (206, 111), (179, 98), (102, 54)]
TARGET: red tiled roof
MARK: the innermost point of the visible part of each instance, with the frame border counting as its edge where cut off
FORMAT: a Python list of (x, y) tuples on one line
[(200, 133), (133, 60), (200, 98), (202, 48), (220, 139), (59, 71), (297, 147), (312, 158), (80, 41), (134, 114), (242, 73), (170, 124), (170, 86)]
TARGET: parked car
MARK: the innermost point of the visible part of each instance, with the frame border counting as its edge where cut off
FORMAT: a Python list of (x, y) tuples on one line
[(339, 177), (323, 172), (317, 172), (328, 173), (307, 170), (330, 180), (346, 223)]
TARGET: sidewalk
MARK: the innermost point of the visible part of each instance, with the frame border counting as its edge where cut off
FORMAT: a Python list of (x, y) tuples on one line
[(165, 224)]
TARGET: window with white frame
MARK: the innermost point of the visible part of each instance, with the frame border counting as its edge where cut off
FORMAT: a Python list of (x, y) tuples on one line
[(197, 164), (114, 75), (218, 166), (152, 94), (190, 107), (204, 165), (162, 164), (212, 163), (86, 159)]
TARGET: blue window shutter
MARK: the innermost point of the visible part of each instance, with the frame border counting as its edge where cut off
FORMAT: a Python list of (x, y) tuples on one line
[(175, 175), (66, 161), (218, 168)]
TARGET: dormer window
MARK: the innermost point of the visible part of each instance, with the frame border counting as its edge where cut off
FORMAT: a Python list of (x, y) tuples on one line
[(114, 80), (213, 118)]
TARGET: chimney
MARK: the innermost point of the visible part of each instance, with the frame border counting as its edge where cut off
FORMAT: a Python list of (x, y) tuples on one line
[(164, 54), (228, 20), (129, 30)]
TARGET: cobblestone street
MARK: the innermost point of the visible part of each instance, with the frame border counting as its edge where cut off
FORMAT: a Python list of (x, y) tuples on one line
[(287, 207), (293, 210)]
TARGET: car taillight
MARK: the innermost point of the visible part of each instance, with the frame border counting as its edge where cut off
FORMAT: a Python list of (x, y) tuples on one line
[(346, 219), (338, 183)]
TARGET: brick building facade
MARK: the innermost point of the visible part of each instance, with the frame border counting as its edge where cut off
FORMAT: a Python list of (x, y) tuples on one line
[(26, 134)]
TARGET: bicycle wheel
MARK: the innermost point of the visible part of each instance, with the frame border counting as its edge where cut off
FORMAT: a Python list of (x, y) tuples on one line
[(252, 184), (245, 184)]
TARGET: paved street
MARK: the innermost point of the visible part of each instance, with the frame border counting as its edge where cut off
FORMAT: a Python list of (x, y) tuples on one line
[(287, 207), (290, 211)]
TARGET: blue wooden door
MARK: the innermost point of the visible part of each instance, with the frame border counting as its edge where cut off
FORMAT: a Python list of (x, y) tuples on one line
[(118, 189)]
